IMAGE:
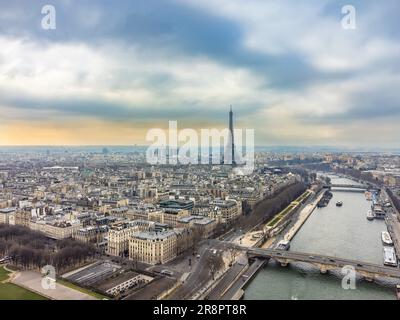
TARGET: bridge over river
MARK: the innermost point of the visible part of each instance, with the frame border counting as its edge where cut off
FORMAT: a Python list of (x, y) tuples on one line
[(347, 186), (325, 263), (352, 187)]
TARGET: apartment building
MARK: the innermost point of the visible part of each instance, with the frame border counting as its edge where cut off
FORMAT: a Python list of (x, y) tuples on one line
[(91, 234), (168, 216), (120, 232), (204, 225), (23, 217), (6, 215), (153, 247), (118, 237), (230, 209), (56, 230), (4, 203)]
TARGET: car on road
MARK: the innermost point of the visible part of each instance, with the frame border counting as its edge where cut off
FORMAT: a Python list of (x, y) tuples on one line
[(167, 272), (311, 257), (198, 256), (241, 262)]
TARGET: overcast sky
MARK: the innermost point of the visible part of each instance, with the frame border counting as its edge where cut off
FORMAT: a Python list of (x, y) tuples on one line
[(111, 70)]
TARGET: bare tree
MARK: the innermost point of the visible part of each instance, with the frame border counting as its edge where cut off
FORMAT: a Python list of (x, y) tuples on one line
[(215, 262), (31, 249)]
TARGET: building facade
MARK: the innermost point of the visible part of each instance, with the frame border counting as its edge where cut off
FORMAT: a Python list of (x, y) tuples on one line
[(153, 247)]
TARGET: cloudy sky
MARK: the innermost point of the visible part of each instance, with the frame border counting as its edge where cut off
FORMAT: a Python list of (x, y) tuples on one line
[(111, 70)]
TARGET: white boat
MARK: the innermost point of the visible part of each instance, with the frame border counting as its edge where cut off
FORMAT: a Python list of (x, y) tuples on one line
[(389, 257), (386, 239), (370, 215), (378, 211), (283, 245)]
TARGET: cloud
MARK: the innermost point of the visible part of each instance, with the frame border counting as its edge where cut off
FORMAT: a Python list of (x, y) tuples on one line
[(290, 70), (116, 81)]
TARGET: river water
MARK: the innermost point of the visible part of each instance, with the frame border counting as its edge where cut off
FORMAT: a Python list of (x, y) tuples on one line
[(335, 231)]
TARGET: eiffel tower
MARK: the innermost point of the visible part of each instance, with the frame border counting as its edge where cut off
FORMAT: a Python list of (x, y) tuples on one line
[(229, 154)]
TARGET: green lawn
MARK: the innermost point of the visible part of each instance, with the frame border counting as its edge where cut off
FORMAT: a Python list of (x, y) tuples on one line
[(281, 215), (10, 291), (275, 220), (3, 274), (83, 290), (303, 196)]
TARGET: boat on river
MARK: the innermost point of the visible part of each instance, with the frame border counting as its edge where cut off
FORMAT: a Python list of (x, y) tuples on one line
[(389, 257), (386, 239), (370, 215), (378, 211)]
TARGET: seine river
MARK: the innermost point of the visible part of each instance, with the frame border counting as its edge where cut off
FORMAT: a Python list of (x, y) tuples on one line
[(336, 231)]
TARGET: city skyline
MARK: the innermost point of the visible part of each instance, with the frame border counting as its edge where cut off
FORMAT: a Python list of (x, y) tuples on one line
[(110, 72), (208, 157)]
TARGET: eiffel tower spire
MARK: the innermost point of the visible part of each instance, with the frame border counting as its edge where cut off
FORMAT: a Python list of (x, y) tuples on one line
[(232, 142)]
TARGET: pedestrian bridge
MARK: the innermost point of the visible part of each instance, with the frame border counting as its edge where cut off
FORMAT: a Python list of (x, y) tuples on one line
[(325, 263)]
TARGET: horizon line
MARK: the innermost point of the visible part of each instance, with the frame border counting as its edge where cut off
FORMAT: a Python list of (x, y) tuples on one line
[(144, 145)]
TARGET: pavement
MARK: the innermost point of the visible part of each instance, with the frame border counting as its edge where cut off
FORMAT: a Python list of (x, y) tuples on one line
[(249, 239), (199, 276), (233, 235), (178, 266), (224, 284), (32, 280), (304, 214), (242, 282)]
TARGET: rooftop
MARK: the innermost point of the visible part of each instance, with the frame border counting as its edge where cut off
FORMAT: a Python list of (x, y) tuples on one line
[(7, 210), (153, 235), (115, 281)]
